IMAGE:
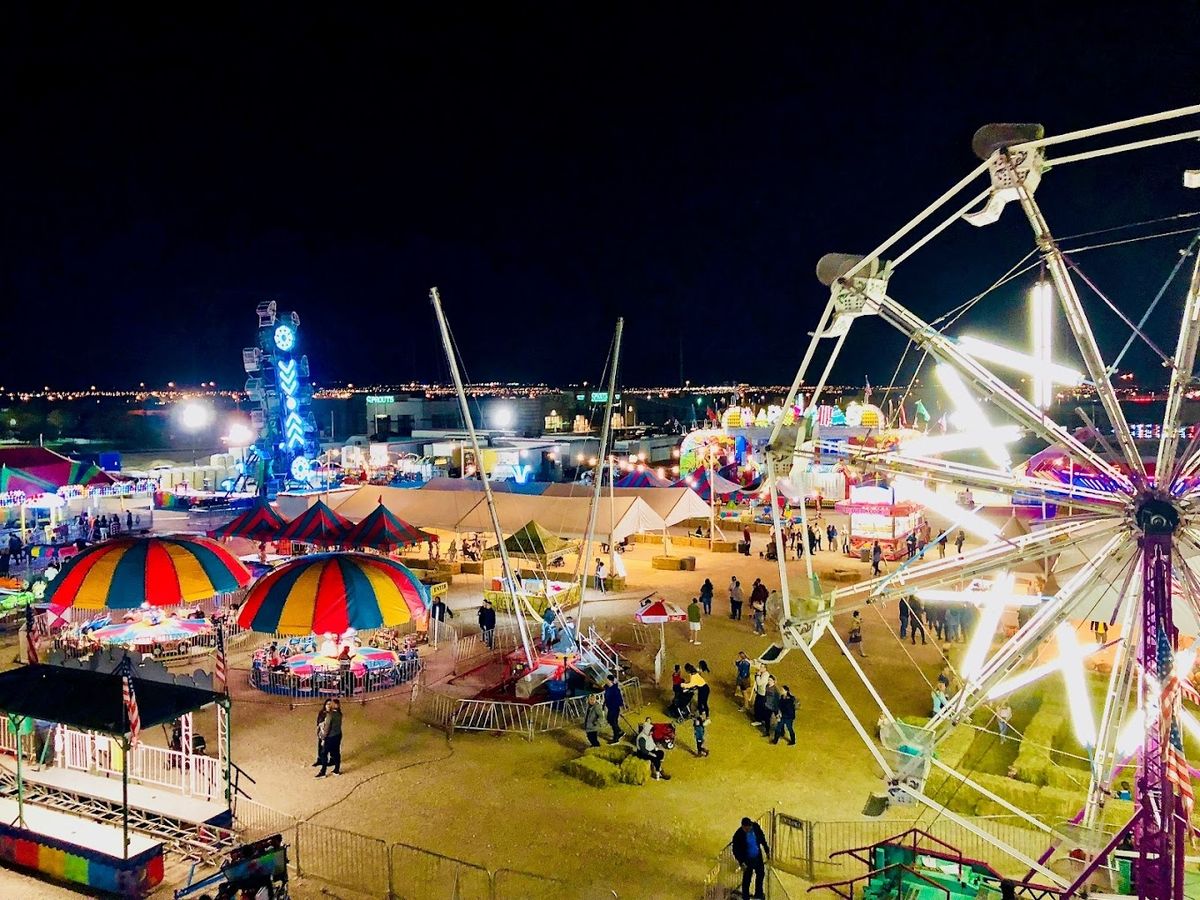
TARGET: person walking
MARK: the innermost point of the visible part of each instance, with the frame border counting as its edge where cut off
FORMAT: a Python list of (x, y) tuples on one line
[(333, 739), (787, 717), (693, 615), (959, 540), (487, 624), (613, 702), (699, 730), (741, 666), (750, 849), (706, 596), (735, 599), (770, 705), (321, 714), (601, 572), (592, 720), (856, 634), (916, 611), (876, 558)]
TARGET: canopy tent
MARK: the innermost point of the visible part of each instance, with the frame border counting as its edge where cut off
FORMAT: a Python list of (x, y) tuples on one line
[(317, 525), (534, 542), (384, 530), (92, 700), (260, 522), (432, 509), (725, 489), (643, 478), (672, 504), (567, 516), (475, 485), (36, 470)]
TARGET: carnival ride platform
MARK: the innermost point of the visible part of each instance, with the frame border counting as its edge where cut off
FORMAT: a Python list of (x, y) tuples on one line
[(83, 832), (192, 827)]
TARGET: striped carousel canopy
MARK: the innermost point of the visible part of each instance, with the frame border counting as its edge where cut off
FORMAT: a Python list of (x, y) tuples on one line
[(261, 522), (332, 592), (384, 530), (317, 525), (125, 572)]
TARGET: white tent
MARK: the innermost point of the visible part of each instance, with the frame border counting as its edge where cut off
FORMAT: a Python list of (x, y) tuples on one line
[(424, 509), (672, 504), (565, 516)]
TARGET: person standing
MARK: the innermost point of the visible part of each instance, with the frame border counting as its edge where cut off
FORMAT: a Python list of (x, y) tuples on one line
[(487, 624), (876, 558), (941, 542), (761, 679), (758, 607), (750, 849), (703, 689), (321, 714), (856, 634), (959, 540), (905, 612), (592, 719), (735, 599), (706, 596), (333, 739), (771, 705), (693, 615), (601, 573), (831, 534), (916, 611), (911, 541), (1003, 717), (741, 666), (787, 717), (699, 728), (613, 701)]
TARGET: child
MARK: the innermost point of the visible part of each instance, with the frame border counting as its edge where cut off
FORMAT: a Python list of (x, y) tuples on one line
[(699, 725), (856, 636)]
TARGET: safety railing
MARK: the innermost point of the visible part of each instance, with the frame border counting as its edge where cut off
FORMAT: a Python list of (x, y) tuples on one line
[(349, 860), (324, 685), (254, 820)]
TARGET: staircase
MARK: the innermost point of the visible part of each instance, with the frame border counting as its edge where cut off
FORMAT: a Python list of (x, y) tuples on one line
[(204, 843), (600, 657)]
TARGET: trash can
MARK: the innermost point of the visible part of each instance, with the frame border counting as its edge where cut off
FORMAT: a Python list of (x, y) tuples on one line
[(864, 555), (557, 689)]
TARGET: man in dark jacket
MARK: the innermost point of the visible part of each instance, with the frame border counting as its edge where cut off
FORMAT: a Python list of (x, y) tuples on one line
[(591, 719), (750, 850), (613, 701), (487, 623), (787, 717)]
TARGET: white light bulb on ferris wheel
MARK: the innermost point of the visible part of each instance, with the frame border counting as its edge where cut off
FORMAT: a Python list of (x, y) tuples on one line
[(986, 627), (967, 413), (1071, 659)]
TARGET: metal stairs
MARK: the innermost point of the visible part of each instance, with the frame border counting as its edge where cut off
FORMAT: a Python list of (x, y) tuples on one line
[(201, 842)]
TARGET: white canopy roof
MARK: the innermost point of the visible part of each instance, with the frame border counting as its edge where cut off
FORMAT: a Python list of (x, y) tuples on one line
[(672, 504), (425, 509)]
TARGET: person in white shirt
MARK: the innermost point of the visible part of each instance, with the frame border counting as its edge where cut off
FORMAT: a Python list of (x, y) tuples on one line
[(601, 572)]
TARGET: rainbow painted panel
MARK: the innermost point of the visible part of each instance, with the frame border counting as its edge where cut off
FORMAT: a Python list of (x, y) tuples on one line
[(64, 861)]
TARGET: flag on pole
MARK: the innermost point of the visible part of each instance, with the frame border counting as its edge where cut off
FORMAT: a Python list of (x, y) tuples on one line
[(219, 676), (867, 390), (31, 637), (903, 416), (944, 423), (921, 412), (825, 415), (133, 718), (1178, 772)]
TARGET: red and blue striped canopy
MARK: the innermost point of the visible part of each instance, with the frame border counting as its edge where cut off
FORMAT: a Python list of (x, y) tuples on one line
[(641, 479), (261, 522), (317, 525), (125, 572), (384, 530), (725, 489), (331, 592)]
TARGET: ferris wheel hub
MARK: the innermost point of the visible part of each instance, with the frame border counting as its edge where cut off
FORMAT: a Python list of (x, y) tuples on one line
[(1155, 514)]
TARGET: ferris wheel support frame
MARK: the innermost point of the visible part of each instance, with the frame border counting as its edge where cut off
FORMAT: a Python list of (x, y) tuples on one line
[(1181, 378)]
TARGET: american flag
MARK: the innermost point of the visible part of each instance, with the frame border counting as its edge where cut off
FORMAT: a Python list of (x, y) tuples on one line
[(132, 716), (31, 637), (1175, 686), (825, 415), (219, 676)]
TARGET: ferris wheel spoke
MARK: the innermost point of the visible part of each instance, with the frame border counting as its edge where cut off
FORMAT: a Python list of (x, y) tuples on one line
[(1076, 317), (991, 557), (1023, 412), (1038, 491), (1181, 378), (1113, 556)]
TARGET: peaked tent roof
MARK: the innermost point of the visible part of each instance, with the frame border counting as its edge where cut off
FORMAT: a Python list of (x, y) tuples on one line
[(37, 470), (317, 525), (567, 516), (672, 504), (433, 509), (260, 522), (384, 530), (698, 481), (535, 542), (476, 486), (643, 479)]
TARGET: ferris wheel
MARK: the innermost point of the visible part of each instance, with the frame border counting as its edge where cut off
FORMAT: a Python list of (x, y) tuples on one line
[(1116, 524)]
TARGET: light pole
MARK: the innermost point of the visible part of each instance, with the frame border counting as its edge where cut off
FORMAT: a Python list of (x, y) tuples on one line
[(195, 417)]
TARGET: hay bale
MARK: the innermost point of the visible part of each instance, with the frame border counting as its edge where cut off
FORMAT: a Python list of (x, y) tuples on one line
[(1066, 778), (613, 753), (635, 770), (592, 770)]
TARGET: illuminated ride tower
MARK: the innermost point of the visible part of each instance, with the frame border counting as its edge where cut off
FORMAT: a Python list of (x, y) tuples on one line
[(279, 383)]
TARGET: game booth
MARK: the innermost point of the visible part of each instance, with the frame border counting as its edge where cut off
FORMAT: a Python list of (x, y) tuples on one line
[(876, 516)]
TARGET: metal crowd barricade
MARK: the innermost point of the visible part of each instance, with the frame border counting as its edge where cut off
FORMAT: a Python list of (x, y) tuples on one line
[(341, 684), (415, 874), (343, 858)]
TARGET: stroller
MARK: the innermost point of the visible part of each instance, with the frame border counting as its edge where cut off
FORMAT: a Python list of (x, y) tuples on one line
[(681, 706)]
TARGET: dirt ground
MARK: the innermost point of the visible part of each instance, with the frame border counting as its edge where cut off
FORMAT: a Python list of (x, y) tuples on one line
[(500, 801)]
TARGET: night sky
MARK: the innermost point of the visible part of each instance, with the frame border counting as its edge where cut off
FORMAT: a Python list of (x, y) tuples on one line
[(548, 169)]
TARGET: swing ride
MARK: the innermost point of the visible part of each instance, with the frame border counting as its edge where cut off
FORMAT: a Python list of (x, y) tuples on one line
[(1122, 545)]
